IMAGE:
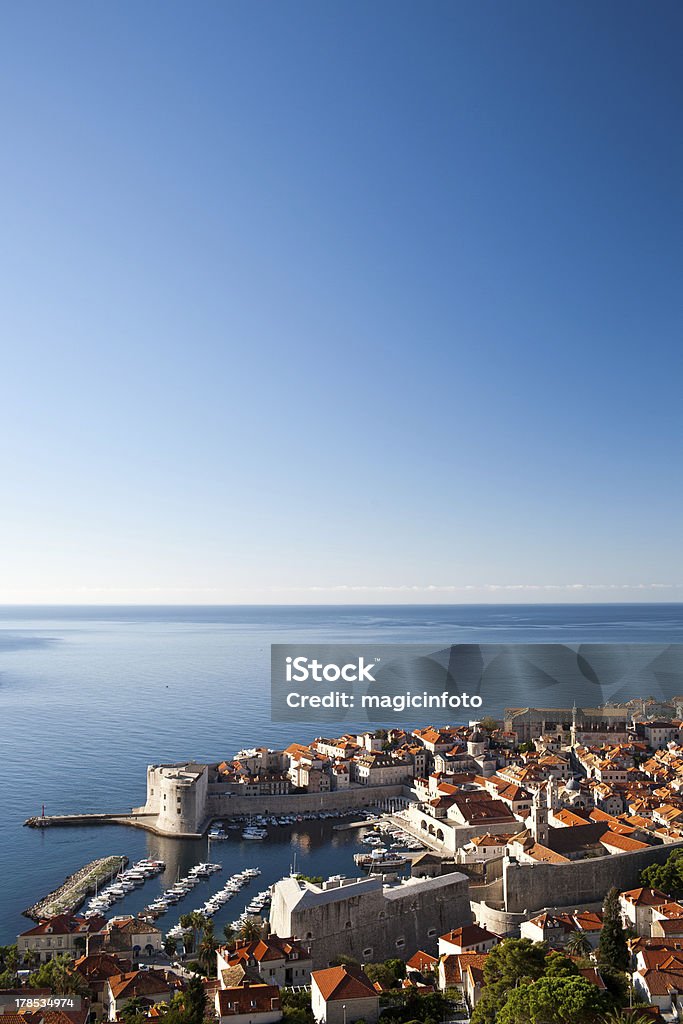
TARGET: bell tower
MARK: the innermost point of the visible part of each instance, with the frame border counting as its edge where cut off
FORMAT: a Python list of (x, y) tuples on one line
[(539, 820)]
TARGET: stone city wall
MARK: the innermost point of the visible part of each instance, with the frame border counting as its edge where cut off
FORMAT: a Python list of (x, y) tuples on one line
[(531, 887)]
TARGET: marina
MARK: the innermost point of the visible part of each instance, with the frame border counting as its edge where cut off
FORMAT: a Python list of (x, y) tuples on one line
[(176, 877), (188, 879), (124, 883)]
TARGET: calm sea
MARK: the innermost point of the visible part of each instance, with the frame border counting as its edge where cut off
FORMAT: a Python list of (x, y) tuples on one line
[(90, 696)]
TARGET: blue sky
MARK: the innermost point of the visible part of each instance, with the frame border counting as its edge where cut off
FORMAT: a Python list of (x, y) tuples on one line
[(341, 302)]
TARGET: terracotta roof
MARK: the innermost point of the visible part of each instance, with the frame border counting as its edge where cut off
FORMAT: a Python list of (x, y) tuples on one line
[(671, 911), (645, 897), (450, 966), (569, 818), (248, 999), (662, 983), (589, 920), (132, 926), (469, 935), (472, 962), (67, 924), (343, 982), (272, 948), (421, 961), (98, 966), (592, 974), (626, 844), (142, 983)]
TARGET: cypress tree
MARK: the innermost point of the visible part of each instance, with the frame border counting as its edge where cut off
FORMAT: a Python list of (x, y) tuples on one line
[(613, 949)]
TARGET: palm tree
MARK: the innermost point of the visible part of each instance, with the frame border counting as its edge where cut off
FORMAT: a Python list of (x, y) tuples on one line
[(207, 950), (624, 1017), (228, 933), (29, 958), (195, 923), (578, 944), (250, 929)]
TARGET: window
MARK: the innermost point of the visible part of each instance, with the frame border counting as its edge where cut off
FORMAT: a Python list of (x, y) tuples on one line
[(431, 933), (367, 952), (400, 943)]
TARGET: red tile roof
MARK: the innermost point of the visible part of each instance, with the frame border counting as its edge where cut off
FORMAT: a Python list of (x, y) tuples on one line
[(248, 998), (469, 935), (343, 982), (421, 961)]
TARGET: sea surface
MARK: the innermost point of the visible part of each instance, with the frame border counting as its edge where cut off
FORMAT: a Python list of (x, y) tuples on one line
[(90, 696)]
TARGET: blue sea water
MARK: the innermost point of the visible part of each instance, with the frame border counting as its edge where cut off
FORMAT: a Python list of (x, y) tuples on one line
[(90, 696)]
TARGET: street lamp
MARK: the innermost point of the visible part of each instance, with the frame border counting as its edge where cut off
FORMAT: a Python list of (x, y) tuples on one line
[(344, 1009)]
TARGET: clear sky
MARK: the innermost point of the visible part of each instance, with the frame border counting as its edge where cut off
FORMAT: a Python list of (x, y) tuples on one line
[(326, 302)]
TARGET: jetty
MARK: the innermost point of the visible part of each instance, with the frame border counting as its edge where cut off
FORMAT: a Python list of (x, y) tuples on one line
[(117, 818), (73, 891), (365, 823)]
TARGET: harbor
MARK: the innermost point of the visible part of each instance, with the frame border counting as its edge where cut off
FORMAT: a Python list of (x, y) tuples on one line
[(168, 879)]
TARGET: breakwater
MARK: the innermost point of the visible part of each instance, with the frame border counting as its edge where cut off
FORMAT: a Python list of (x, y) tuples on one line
[(71, 893), (124, 818)]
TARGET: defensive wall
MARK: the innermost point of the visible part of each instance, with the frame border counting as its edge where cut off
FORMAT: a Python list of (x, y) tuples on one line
[(528, 888), (226, 805), (181, 801), (506, 924)]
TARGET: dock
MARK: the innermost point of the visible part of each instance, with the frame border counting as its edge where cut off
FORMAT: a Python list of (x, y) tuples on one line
[(365, 823), (72, 892)]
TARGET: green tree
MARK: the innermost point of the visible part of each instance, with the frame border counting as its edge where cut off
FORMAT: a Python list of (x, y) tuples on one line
[(578, 944), (207, 950), (633, 1016), (489, 724), (134, 1012), (194, 924), (194, 1002), (250, 929), (613, 950), (342, 960), (397, 966), (557, 965), (54, 972), (170, 945), (296, 1007), (381, 973), (554, 1001), (228, 933), (9, 958), (512, 962), (668, 876)]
